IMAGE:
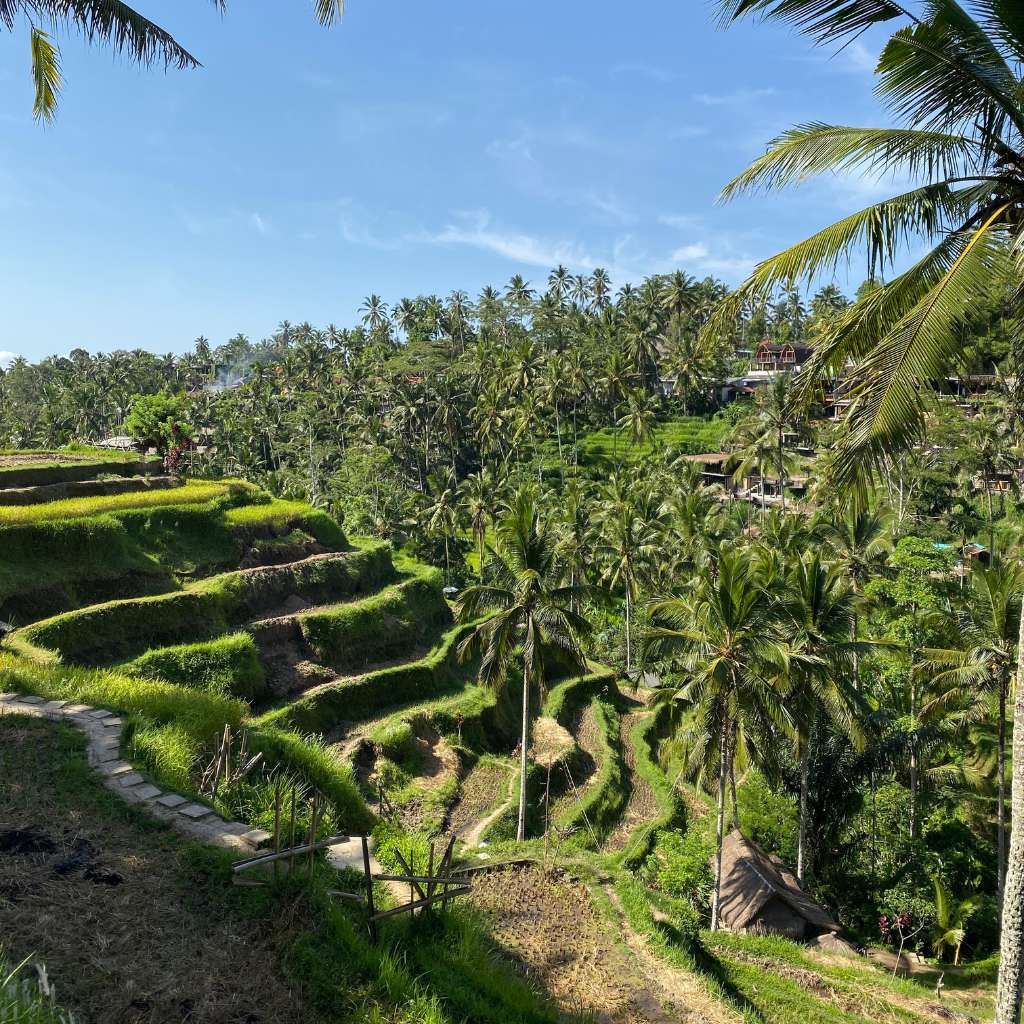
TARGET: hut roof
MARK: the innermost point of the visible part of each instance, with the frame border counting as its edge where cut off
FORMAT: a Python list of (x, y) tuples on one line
[(752, 878)]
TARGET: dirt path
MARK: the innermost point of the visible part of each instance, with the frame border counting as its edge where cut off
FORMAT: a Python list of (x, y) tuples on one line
[(676, 985), (473, 836), (642, 805)]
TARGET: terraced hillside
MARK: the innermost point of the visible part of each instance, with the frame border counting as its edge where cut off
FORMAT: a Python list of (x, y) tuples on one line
[(175, 608), (191, 605)]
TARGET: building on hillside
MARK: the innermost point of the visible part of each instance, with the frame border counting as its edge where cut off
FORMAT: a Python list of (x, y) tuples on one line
[(772, 357), (121, 443), (761, 896), (714, 468)]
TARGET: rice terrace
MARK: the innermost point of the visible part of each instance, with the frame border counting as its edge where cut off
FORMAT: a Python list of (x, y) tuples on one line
[(612, 612)]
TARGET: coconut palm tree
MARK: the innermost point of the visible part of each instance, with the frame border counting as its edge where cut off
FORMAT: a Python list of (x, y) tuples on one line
[(478, 500), (818, 610), (951, 75), (526, 612), (628, 534), (110, 23), (951, 915), (725, 640), (980, 668)]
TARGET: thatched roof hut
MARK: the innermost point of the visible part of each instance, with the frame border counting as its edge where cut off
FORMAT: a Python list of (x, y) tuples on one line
[(760, 894)]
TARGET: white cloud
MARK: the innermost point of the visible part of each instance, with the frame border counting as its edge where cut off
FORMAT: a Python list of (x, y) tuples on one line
[(855, 57), (739, 96), (651, 71), (476, 231), (680, 221), (519, 162), (259, 223), (858, 57), (6, 358), (623, 259)]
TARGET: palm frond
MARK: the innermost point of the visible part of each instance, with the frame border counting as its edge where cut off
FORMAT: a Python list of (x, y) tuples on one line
[(116, 24), (934, 74), (823, 20), (329, 11), (886, 413), (924, 213), (808, 150), (45, 75)]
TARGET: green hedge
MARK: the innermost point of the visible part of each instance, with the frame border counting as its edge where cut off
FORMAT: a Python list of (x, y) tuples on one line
[(250, 522), (389, 624), (229, 665), (49, 567), (328, 706), (568, 696), (55, 471), (671, 806), (605, 796), (120, 630), (194, 492)]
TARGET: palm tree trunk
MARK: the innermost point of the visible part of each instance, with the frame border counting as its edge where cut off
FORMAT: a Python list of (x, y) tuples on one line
[(719, 835), (913, 789), (523, 743), (1001, 809), (1011, 940), (782, 472), (801, 850), (629, 648), (991, 525)]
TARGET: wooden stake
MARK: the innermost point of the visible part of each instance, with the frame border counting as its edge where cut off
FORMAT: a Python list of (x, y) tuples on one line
[(369, 890), (277, 821), (291, 836)]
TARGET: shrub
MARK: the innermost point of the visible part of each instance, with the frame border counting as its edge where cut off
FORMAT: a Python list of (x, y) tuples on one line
[(679, 864), (397, 741), (767, 817), (227, 665)]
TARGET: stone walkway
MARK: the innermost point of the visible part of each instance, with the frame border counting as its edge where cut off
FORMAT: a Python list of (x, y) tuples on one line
[(103, 731)]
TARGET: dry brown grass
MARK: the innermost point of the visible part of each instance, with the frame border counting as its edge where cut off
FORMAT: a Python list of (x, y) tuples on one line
[(105, 901), (545, 921)]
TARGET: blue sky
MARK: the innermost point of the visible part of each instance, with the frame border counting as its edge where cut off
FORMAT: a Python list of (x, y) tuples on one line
[(416, 148)]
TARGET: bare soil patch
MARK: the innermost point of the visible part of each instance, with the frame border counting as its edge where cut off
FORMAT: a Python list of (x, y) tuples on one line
[(546, 923), (485, 785), (41, 458), (103, 897)]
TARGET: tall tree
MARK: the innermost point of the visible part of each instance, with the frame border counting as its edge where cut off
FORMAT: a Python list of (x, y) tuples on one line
[(980, 668), (526, 612), (951, 76), (725, 640)]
